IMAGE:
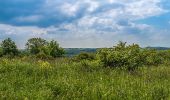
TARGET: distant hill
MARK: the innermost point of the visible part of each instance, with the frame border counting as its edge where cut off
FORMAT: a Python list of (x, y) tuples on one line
[(158, 48), (75, 51)]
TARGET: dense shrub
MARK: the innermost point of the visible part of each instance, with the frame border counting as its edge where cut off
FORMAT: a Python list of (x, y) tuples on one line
[(85, 56), (165, 55), (43, 56), (131, 56), (152, 57), (121, 56)]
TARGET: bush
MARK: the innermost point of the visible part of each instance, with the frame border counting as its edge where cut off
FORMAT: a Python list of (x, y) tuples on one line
[(85, 56), (121, 56), (165, 55), (132, 56), (152, 57), (43, 56)]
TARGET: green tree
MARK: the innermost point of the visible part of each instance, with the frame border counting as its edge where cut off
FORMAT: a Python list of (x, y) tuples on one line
[(1, 51), (41, 47), (54, 49), (35, 45), (9, 47)]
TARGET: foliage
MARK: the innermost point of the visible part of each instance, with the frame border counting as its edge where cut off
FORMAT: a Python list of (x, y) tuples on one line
[(131, 56), (44, 64), (34, 45), (75, 51), (152, 57), (1, 52), (85, 56), (35, 80), (55, 50), (9, 47), (44, 49), (121, 56), (165, 56)]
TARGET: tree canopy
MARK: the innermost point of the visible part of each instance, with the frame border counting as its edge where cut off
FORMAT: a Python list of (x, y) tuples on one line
[(9, 47), (41, 47)]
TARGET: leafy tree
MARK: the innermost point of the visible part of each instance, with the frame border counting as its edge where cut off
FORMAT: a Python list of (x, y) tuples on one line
[(54, 49), (9, 47), (1, 51), (35, 45), (42, 48)]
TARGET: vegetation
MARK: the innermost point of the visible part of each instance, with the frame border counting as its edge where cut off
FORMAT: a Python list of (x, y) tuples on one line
[(9, 47), (85, 56), (70, 52), (61, 79), (131, 57), (44, 49), (1, 52), (123, 72), (121, 56)]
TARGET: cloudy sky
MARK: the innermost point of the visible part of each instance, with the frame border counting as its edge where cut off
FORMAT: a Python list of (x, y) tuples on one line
[(87, 23)]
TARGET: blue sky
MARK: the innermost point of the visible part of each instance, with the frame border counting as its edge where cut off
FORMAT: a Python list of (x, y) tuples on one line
[(87, 23)]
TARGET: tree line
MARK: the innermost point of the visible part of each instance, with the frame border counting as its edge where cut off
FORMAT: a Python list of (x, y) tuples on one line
[(122, 55), (34, 46)]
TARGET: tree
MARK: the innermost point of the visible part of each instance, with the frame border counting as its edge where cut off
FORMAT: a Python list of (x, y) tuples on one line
[(1, 51), (9, 47), (41, 47), (35, 45), (55, 50)]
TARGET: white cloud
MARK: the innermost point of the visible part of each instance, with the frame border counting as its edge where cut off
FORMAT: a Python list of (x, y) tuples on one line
[(70, 9), (144, 8), (100, 23), (30, 19)]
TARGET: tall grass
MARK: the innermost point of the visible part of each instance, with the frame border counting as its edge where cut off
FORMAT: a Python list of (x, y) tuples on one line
[(61, 79)]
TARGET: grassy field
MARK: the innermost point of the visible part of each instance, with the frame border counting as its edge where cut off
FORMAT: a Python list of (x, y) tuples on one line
[(25, 79)]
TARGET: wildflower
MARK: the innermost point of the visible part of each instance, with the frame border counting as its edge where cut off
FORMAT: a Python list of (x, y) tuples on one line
[(44, 64), (5, 61)]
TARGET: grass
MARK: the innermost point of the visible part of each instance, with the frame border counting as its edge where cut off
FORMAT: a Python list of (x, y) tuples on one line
[(61, 79)]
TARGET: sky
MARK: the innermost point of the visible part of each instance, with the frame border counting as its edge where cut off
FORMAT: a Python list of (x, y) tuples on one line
[(87, 23)]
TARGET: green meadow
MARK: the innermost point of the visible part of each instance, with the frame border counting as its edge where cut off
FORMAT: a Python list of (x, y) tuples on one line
[(43, 72), (27, 79)]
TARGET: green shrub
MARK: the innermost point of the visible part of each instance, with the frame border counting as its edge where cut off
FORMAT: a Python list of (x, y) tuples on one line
[(152, 57), (165, 55), (121, 56), (43, 56), (85, 56)]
